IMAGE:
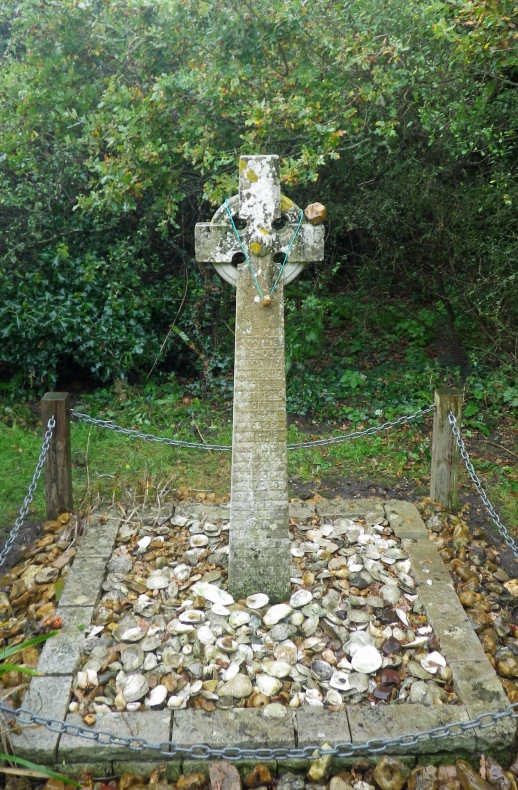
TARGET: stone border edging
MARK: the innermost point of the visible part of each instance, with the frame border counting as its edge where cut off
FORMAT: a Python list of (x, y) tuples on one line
[(475, 679)]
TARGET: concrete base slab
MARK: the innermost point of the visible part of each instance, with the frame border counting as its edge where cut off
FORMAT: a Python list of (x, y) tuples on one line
[(244, 727), (46, 696), (170, 770), (153, 726), (78, 770)]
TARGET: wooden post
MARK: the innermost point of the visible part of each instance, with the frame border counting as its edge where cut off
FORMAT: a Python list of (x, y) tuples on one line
[(445, 452), (58, 464)]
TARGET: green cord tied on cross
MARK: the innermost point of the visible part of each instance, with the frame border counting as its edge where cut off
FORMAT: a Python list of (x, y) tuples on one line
[(268, 297)]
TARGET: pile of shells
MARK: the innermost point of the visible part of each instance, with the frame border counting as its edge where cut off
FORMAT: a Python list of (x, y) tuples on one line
[(28, 595), (167, 633), (487, 590)]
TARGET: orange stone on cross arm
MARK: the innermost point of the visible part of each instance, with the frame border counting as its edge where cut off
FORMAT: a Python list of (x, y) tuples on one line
[(316, 213)]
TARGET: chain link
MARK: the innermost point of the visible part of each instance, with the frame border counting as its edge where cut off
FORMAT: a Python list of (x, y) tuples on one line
[(478, 485), (366, 432), (201, 751), (30, 493), (148, 437)]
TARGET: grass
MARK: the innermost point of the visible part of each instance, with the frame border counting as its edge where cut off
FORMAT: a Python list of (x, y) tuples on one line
[(109, 465)]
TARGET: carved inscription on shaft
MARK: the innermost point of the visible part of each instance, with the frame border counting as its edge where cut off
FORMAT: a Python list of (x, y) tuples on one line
[(259, 539)]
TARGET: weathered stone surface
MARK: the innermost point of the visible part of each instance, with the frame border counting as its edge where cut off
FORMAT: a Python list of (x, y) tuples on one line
[(224, 776), (316, 726), (427, 565), (396, 720), (154, 726), (61, 654), (481, 691), (196, 511), (370, 509), (238, 727), (450, 622), (83, 585), (405, 520), (301, 510), (99, 538), (48, 696)]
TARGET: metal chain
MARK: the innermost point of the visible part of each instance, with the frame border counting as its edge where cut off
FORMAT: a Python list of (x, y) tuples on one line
[(366, 432), (478, 485), (226, 447), (201, 751), (30, 493)]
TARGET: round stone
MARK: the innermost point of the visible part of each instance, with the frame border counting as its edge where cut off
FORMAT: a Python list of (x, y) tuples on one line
[(120, 564), (420, 694), (239, 686), (282, 631), (301, 598), (132, 658), (390, 593), (367, 659)]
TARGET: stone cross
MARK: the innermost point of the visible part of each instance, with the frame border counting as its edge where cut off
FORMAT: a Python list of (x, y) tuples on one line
[(259, 559)]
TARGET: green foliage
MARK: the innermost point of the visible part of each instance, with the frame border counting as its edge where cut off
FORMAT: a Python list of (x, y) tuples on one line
[(121, 124)]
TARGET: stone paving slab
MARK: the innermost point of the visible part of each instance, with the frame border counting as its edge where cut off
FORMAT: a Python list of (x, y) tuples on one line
[(83, 584), (317, 725), (154, 726), (480, 688), (212, 512), (62, 653), (427, 565), (243, 727), (405, 520), (46, 696), (371, 509), (99, 538), (301, 510), (451, 624), (392, 721)]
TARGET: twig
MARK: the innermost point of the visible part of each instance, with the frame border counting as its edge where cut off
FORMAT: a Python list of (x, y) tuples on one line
[(172, 325), (201, 435), (501, 447)]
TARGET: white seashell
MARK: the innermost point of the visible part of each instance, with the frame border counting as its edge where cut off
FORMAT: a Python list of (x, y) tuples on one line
[(333, 697), (300, 598), (230, 673), (226, 645), (196, 687), (419, 640), (433, 662), (212, 593), (403, 617), (277, 613), (182, 573), (367, 659), (157, 582), (268, 685), (425, 629), (340, 680), (297, 551), (344, 664), (91, 676), (135, 687), (257, 601), (198, 541), (192, 616), (156, 696), (237, 619), (278, 669), (82, 680), (150, 662), (143, 543), (176, 702), (218, 608), (205, 635)]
